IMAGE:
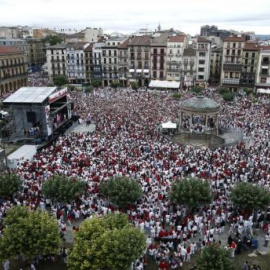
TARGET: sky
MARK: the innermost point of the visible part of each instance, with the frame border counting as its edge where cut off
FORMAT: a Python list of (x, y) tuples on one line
[(127, 16)]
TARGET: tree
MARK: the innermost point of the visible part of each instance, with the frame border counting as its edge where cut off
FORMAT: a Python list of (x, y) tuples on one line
[(10, 183), (107, 242), (197, 89), (29, 233), (121, 191), (114, 84), (176, 95), (248, 91), (228, 96), (52, 40), (214, 257), (96, 83), (60, 80), (191, 193), (223, 90), (248, 196), (88, 89), (62, 189), (134, 85)]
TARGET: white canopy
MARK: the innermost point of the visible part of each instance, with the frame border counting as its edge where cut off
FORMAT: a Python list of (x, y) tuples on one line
[(164, 84), (263, 91), (138, 70), (168, 124)]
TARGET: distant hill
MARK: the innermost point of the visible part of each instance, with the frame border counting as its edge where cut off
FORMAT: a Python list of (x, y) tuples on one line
[(262, 37)]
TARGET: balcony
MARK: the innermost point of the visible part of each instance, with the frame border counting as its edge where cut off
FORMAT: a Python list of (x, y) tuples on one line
[(231, 81), (6, 77), (232, 66), (13, 65)]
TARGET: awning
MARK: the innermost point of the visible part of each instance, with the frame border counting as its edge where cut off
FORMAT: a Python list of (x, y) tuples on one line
[(138, 70), (146, 70), (131, 70), (263, 91), (164, 84), (168, 124)]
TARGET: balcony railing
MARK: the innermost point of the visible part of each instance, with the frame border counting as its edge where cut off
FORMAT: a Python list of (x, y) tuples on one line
[(230, 81), (6, 77)]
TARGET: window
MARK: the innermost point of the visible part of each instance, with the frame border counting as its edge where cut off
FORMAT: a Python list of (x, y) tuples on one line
[(263, 80), (201, 62), (201, 54), (201, 69), (201, 77), (246, 54)]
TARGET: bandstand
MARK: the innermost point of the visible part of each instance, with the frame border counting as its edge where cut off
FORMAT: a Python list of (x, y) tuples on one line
[(199, 114)]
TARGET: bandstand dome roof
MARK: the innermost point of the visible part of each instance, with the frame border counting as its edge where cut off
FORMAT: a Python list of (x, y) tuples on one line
[(200, 104)]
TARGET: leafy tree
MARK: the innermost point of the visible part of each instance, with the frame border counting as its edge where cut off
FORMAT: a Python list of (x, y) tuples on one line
[(115, 84), (248, 91), (9, 184), (30, 233), (52, 40), (62, 189), (60, 80), (176, 95), (107, 242), (191, 192), (228, 96), (88, 89), (248, 197), (197, 89), (121, 191), (71, 87), (134, 85), (96, 83), (223, 90), (214, 257)]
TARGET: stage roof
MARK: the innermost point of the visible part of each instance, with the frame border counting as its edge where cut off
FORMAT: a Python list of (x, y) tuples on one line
[(30, 95), (164, 84)]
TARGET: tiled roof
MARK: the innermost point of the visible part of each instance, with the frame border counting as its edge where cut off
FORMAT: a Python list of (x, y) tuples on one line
[(89, 48), (251, 46), (124, 45), (189, 52), (9, 50), (180, 38), (202, 39), (76, 45), (76, 35), (141, 41), (264, 47), (235, 38), (160, 40)]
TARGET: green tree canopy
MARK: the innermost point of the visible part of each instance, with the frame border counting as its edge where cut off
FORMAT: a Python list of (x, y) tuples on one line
[(191, 192), (60, 80), (62, 189), (248, 196), (214, 257), (107, 242), (197, 89), (176, 95), (223, 90), (29, 233), (10, 183), (52, 40), (115, 84), (228, 96), (121, 191), (96, 83), (134, 85)]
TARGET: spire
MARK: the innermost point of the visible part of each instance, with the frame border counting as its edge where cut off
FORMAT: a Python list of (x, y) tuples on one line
[(159, 27)]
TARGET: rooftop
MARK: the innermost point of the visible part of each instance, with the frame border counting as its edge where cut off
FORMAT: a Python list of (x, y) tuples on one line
[(77, 45), (4, 50), (30, 95), (141, 41), (180, 38), (200, 104), (235, 39), (251, 46), (202, 39)]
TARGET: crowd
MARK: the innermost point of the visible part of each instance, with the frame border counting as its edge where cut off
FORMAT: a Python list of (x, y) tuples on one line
[(127, 142)]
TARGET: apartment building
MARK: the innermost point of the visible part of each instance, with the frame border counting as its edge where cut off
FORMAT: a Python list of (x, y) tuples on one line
[(203, 55), (123, 63), (97, 60), (158, 55), (215, 66), (189, 67), (250, 62), (75, 62), (139, 61), (88, 53), (56, 60), (110, 58), (174, 54), (232, 61), (37, 53), (263, 75), (13, 69)]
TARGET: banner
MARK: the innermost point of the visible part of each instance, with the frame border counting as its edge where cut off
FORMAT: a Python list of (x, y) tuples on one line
[(57, 95), (47, 113)]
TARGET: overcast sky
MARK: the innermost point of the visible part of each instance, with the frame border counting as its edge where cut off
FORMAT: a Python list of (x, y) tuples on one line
[(128, 16)]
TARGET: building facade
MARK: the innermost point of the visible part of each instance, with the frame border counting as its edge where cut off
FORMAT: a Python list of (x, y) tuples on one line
[(263, 74), (232, 61), (215, 66), (13, 69), (88, 52), (97, 61), (203, 61), (37, 53), (123, 63), (110, 58), (75, 62), (139, 61), (56, 60), (175, 51), (189, 67)]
